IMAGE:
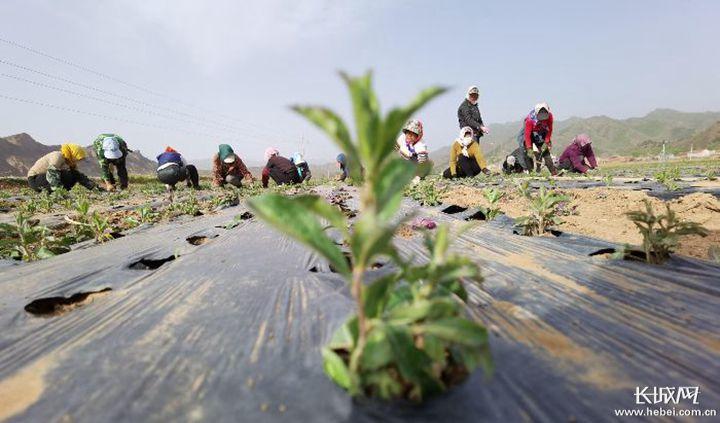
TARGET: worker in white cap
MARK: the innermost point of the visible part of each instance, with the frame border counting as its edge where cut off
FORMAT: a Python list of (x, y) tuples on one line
[(110, 149)]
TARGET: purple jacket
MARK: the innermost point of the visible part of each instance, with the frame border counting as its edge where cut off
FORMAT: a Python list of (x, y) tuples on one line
[(576, 155)]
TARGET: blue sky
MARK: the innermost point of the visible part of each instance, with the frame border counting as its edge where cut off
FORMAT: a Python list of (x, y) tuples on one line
[(234, 67)]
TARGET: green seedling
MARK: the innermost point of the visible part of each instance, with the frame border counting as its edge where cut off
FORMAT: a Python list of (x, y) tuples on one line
[(493, 197), (426, 192), (410, 329), (669, 178), (28, 241), (661, 232), (543, 213), (523, 188)]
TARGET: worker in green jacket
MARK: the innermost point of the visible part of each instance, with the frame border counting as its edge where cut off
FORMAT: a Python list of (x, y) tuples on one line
[(110, 149)]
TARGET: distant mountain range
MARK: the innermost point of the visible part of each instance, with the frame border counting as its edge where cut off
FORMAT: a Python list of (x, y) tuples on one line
[(631, 137), (19, 152), (642, 136)]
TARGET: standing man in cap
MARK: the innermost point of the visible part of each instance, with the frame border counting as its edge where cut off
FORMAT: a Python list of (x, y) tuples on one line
[(229, 168), (110, 149), (469, 116)]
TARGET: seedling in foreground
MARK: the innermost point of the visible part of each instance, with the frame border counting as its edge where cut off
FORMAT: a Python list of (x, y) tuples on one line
[(661, 232), (410, 336)]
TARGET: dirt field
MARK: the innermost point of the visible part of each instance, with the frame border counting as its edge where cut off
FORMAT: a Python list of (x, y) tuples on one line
[(600, 213)]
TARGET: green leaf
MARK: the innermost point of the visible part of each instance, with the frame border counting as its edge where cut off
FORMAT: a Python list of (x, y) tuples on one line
[(375, 295), (383, 384), (394, 175), (415, 365), (322, 208), (456, 329), (345, 337), (294, 218), (336, 369), (377, 352), (435, 308), (44, 253), (367, 118), (434, 348)]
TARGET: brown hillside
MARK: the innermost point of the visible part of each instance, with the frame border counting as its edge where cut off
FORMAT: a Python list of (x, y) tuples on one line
[(19, 152)]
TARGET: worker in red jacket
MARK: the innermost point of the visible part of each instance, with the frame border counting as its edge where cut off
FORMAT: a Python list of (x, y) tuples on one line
[(536, 138), (578, 156)]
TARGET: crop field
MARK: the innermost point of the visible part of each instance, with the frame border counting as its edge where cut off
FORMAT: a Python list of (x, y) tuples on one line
[(196, 271)]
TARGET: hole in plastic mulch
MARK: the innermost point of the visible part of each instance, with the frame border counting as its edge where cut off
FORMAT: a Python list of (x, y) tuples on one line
[(197, 239), (454, 209), (54, 306), (478, 215), (150, 264)]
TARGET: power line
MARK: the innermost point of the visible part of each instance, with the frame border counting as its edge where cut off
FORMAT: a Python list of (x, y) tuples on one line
[(120, 96), (114, 79), (102, 100), (100, 115)]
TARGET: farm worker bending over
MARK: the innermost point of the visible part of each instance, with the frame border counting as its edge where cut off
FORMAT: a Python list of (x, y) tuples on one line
[(469, 114), (342, 164), (515, 161), (410, 147), (110, 149), (172, 168), (302, 166), (536, 138), (228, 168), (280, 169), (59, 169), (466, 159), (575, 155)]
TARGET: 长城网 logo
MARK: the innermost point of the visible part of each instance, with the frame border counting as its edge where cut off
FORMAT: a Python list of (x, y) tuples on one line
[(667, 395)]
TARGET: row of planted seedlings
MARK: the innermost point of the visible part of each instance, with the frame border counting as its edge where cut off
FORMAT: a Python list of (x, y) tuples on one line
[(97, 217), (661, 231)]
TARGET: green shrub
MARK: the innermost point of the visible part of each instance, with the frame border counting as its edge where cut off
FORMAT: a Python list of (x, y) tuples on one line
[(661, 232), (493, 196), (426, 192), (410, 334), (543, 212), (669, 178), (27, 240)]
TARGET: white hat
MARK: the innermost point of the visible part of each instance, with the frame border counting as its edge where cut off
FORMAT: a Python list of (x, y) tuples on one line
[(111, 148), (230, 158), (510, 160)]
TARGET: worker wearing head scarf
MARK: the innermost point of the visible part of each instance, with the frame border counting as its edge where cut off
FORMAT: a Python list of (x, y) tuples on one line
[(342, 164), (536, 138), (514, 162), (58, 169), (579, 155), (466, 158), (172, 168), (469, 113), (111, 151), (279, 168), (229, 168)]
